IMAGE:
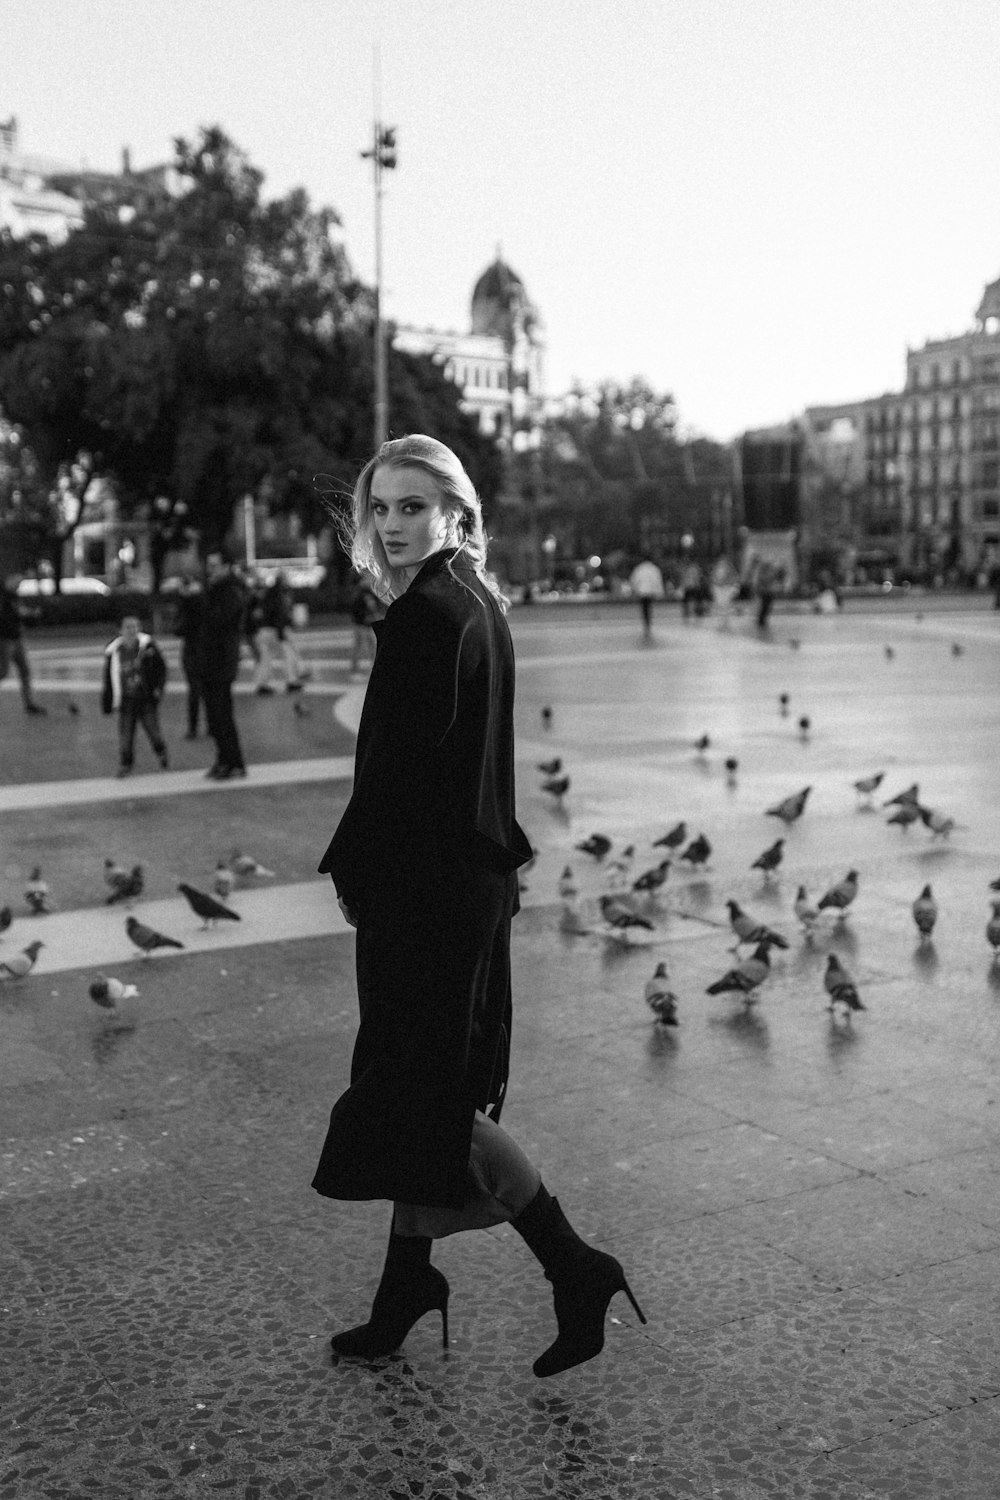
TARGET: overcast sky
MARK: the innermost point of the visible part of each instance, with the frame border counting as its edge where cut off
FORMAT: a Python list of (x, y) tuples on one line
[(757, 204)]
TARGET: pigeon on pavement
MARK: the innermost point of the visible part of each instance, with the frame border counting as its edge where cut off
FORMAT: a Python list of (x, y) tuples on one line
[(596, 844), (651, 880), (126, 886), (556, 786), (911, 794), (550, 767), (21, 963), (147, 938), (205, 906), (790, 808), (673, 839), (660, 998), (702, 743), (746, 977), (840, 986), (697, 852), (248, 867), (906, 814), (770, 859), (37, 894), (925, 912), (617, 912), (993, 930), (939, 823), (747, 930), (839, 897), (108, 992), (866, 786), (223, 880)]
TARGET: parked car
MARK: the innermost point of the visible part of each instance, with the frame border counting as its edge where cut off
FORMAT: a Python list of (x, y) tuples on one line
[(34, 588)]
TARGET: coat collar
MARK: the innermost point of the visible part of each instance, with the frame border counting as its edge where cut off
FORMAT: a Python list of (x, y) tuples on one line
[(440, 561)]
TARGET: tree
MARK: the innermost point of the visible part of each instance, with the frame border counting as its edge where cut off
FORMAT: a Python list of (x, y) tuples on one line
[(209, 346)]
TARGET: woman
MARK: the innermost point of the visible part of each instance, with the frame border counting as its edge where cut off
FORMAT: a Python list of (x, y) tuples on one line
[(424, 863)]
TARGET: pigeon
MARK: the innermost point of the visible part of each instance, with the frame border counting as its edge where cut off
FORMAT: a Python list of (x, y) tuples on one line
[(783, 704), (651, 880), (905, 814), (911, 795), (804, 910), (839, 897), (247, 866), (617, 913), (223, 880), (938, 823), (770, 859), (37, 893), (550, 767), (660, 999), (6, 917), (147, 938), (568, 887), (126, 886), (840, 986), (596, 844), (206, 906), (790, 808), (805, 724), (108, 991), (702, 743), (556, 786), (21, 963), (697, 852), (746, 977), (674, 839), (993, 930), (925, 912), (866, 786), (547, 716), (749, 931), (113, 873), (994, 886)]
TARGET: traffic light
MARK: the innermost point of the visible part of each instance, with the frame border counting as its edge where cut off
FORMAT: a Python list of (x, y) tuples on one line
[(383, 152)]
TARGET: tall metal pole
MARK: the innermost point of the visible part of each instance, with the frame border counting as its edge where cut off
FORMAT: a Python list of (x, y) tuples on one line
[(383, 158)]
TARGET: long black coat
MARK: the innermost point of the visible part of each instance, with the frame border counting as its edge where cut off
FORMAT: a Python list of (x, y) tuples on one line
[(217, 650), (425, 854)]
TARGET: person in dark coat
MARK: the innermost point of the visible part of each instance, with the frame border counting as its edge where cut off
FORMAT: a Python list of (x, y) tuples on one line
[(424, 863), (190, 605), (12, 615), (218, 661)]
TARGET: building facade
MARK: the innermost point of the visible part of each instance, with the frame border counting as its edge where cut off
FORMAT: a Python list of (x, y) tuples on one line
[(907, 482)]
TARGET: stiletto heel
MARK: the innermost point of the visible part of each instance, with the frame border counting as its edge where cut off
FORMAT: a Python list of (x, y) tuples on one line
[(629, 1294), (397, 1306), (584, 1280)]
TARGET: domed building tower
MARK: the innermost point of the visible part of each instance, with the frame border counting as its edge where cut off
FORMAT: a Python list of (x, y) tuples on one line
[(498, 363)]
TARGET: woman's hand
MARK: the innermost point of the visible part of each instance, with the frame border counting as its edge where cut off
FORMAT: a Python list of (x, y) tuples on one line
[(350, 916)]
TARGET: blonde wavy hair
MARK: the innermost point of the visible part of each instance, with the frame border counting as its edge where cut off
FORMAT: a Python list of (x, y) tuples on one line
[(460, 502)]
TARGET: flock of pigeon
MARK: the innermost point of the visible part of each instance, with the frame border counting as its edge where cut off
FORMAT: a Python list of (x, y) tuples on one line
[(124, 886), (628, 907)]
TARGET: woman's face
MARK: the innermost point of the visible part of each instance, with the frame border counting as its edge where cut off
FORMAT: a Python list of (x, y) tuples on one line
[(409, 516)]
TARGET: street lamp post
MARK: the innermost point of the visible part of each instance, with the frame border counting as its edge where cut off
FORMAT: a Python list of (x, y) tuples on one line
[(382, 156)]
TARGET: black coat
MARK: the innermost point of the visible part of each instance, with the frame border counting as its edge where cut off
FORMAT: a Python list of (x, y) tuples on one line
[(425, 854), (217, 657)]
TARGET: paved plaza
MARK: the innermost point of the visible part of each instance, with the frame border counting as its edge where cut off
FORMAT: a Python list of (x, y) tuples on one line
[(807, 1207)]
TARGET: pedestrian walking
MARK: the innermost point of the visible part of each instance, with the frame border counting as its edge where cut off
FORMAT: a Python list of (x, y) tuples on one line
[(365, 608), (218, 661), (133, 681), (190, 607), (692, 590), (725, 584), (646, 583), (12, 648), (765, 587), (424, 863), (274, 637)]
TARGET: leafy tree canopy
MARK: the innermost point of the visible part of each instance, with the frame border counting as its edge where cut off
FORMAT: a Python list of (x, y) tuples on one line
[(206, 345)]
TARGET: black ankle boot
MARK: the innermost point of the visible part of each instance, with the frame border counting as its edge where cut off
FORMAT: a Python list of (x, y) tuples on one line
[(410, 1287), (584, 1280)]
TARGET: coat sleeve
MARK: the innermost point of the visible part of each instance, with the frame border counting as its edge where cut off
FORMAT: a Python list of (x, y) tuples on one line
[(400, 801), (107, 696)]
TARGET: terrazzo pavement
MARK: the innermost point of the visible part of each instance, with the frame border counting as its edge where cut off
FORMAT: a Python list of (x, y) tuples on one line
[(808, 1210)]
